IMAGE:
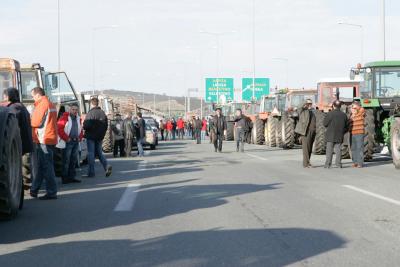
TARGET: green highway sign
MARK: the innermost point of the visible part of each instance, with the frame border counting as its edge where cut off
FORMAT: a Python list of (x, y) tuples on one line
[(261, 88), (221, 88)]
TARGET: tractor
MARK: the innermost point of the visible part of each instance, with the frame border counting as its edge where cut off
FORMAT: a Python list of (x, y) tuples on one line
[(270, 114), (380, 96), (329, 90), (290, 116), (11, 180)]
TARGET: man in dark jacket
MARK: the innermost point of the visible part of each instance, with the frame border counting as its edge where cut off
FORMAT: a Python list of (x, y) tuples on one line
[(306, 128), (129, 133), (11, 99), (240, 128), (140, 133), (118, 136), (219, 127), (95, 126), (336, 123), (198, 124)]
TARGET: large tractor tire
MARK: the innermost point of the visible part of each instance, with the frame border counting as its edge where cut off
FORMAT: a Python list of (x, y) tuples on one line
[(271, 131), (320, 143), (369, 137), (346, 149), (230, 131), (278, 134), (395, 142), (26, 171), (288, 135), (11, 181), (107, 141), (258, 132)]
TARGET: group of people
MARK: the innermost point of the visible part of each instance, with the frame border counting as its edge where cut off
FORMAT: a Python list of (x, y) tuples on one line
[(42, 132), (124, 131), (337, 124), (195, 128)]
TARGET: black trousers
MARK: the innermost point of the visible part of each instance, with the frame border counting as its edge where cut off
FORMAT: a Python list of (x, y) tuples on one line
[(119, 145), (218, 141), (307, 142), (197, 133), (162, 134)]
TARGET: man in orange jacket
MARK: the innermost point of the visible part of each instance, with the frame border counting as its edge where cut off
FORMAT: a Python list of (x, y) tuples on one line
[(44, 134)]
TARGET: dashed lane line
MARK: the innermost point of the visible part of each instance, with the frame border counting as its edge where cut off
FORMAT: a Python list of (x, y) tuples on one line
[(255, 156), (387, 199), (127, 201)]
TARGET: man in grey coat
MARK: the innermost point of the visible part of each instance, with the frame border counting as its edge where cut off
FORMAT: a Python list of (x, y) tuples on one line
[(241, 129), (306, 128), (219, 128), (337, 125)]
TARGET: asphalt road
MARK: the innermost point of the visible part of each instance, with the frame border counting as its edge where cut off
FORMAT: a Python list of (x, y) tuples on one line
[(184, 205)]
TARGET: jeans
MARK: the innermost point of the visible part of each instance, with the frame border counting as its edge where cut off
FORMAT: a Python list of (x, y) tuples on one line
[(45, 170), (162, 134), (330, 147), (197, 134), (70, 158), (94, 148), (307, 142), (357, 149), (140, 147), (173, 134), (240, 139), (203, 135)]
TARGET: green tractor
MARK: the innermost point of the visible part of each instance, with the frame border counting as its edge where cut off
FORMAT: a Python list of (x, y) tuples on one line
[(380, 96)]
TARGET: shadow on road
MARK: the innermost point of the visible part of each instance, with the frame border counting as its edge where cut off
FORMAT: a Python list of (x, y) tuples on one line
[(255, 247), (77, 212)]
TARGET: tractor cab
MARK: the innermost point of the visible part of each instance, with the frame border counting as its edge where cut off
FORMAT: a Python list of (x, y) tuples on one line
[(10, 75), (296, 98), (333, 89)]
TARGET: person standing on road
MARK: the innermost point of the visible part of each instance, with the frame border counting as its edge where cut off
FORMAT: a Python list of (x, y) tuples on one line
[(357, 133), (173, 129), (44, 134), (140, 133), (240, 128), (70, 133), (336, 123), (198, 124), (162, 129), (306, 128), (210, 129), (12, 101), (203, 129), (169, 130), (118, 136), (181, 128), (129, 133), (219, 127), (95, 126)]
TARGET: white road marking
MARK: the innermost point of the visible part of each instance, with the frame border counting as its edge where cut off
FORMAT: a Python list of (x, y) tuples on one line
[(255, 156), (128, 198), (387, 199)]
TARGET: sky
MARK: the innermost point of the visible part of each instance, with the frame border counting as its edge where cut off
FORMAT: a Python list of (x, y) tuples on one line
[(157, 47)]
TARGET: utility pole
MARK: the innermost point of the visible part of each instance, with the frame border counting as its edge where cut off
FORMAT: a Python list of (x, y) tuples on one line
[(58, 35), (384, 29), (169, 107), (254, 49), (154, 102)]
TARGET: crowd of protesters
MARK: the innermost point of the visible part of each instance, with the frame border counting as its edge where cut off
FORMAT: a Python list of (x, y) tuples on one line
[(195, 128)]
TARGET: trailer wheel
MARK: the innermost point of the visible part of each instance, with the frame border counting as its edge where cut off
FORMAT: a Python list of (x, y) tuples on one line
[(395, 142), (11, 181), (258, 132), (107, 144), (369, 137), (319, 143)]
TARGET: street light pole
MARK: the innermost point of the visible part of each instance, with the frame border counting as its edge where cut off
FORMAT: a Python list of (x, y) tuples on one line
[(254, 48), (361, 27), (94, 52), (217, 35), (384, 29), (287, 68), (58, 36)]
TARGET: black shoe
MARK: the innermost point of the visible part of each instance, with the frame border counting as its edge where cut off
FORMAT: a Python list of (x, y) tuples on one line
[(34, 195), (215, 150), (66, 181), (219, 150), (108, 171), (47, 197), (338, 166), (75, 181)]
